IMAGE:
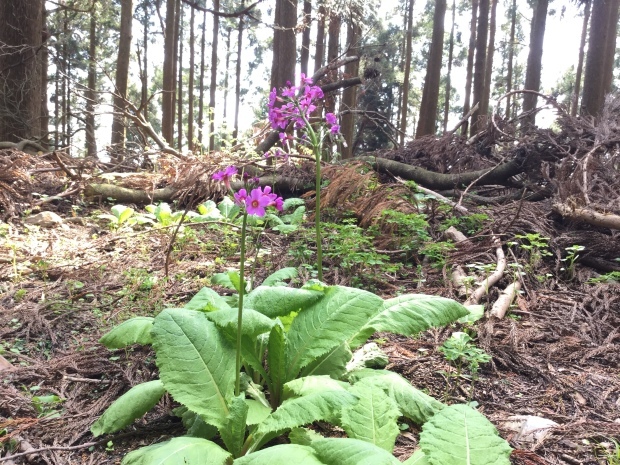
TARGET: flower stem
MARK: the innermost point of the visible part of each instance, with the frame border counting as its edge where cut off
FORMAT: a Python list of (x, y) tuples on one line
[(240, 310)]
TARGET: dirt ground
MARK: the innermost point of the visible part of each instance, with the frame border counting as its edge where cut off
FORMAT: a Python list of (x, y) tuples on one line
[(557, 355)]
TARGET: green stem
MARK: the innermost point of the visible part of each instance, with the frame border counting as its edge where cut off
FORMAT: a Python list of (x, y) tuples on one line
[(240, 310)]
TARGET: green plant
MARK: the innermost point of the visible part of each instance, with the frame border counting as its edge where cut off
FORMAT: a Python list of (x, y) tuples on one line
[(410, 229), (292, 341), (611, 277), (162, 215), (470, 224), (484, 268), (437, 252), (572, 254), (536, 245), (609, 451), (121, 216), (19, 295)]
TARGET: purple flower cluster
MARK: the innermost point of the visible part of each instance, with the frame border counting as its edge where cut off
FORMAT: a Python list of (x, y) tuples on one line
[(288, 107), (256, 201)]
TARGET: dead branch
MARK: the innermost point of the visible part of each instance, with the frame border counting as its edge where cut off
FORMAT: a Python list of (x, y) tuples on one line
[(504, 301), (603, 220), (492, 279)]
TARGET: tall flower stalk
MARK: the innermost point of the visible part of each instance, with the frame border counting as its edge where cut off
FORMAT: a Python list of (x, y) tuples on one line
[(294, 106), (253, 203)]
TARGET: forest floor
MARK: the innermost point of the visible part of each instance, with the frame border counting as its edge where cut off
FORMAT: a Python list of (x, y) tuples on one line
[(556, 355)]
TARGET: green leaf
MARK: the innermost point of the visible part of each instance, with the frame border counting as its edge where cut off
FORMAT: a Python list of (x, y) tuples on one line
[(122, 213), (195, 426), (373, 418), (322, 327), (208, 209), (231, 280), (283, 454), (418, 458), (131, 405), (410, 314), (333, 363), (257, 411), (277, 278), (233, 432), (280, 301), (460, 435), (313, 384), (475, 313), (343, 451), (133, 331), (228, 208), (207, 300), (276, 361), (325, 405), (303, 436), (412, 402), (293, 202), (194, 361), (252, 324), (180, 451)]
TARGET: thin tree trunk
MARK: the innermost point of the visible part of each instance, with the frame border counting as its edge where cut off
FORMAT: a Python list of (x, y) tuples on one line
[(430, 95), (610, 47), (582, 46), (144, 96), (122, 76), (190, 84), (333, 51), (179, 72), (349, 95), (446, 104), (511, 53), (480, 64), (201, 90), (168, 87), (488, 69), (407, 73), (91, 96), (213, 85), (238, 75), (319, 53), (305, 37), (470, 64), (534, 61), (226, 73), (45, 113)]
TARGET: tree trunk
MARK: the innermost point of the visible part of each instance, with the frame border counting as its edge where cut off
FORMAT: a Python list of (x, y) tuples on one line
[(122, 76), (511, 53), (238, 76), (20, 70), (333, 51), (477, 119), (190, 84), (349, 95), (91, 95), (319, 53), (534, 61), (430, 95), (144, 76), (45, 113), (582, 46), (446, 104), (179, 92), (213, 85), (488, 67), (168, 86), (201, 90), (226, 73), (284, 43), (610, 45), (407, 74), (305, 38), (470, 64)]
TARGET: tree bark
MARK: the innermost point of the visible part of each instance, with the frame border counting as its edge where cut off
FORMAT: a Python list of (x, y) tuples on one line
[(179, 91), (470, 64), (430, 95), (446, 103), (534, 61), (582, 46), (20, 69), (91, 96), (511, 52), (319, 52), (190, 84), (238, 76), (201, 90), (349, 95), (168, 86), (488, 65), (213, 85), (407, 74), (284, 43), (478, 118), (305, 38)]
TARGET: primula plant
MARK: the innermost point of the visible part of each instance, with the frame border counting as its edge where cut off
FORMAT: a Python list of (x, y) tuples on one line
[(292, 107)]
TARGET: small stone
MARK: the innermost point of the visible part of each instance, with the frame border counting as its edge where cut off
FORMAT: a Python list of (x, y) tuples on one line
[(44, 219)]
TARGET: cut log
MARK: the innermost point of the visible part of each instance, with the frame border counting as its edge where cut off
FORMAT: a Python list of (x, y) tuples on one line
[(603, 220)]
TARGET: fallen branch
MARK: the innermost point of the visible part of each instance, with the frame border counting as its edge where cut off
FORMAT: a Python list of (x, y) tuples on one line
[(504, 301), (492, 279), (125, 195), (603, 220), (438, 196)]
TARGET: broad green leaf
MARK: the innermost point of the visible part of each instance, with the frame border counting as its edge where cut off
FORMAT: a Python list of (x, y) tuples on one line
[(368, 356), (195, 426), (131, 405), (283, 454), (460, 435), (133, 331), (293, 202), (373, 418), (276, 361), (313, 384), (418, 458), (410, 314), (228, 208), (333, 363), (252, 324), (231, 280), (233, 432), (180, 451), (475, 313), (255, 391), (303, 436), (344, 451), (207, 300), (412, 402), (277, 278), (279, 300), (122, 213), (195, 362), (257, 412), (325, 405), (322, 327), (208, 209)]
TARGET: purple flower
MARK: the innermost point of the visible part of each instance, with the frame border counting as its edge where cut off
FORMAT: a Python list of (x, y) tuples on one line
[(306, 80), (289, 92), (256, 203), (241, 196), (226, 175), (330, 118), (335, 129)]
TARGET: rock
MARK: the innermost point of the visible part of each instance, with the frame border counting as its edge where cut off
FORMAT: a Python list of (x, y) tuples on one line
[(45, 219), (529, 428)]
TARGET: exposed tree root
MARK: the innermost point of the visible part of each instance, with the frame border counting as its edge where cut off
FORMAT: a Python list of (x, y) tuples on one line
[(492, 279), (603, 220), (504, 301)]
